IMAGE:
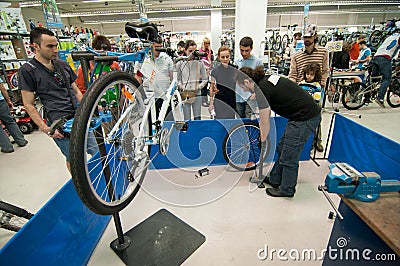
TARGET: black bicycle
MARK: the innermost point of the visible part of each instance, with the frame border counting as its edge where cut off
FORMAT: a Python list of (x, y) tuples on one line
[(13, 217)]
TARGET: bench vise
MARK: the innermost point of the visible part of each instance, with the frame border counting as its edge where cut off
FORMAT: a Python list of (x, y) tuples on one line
[(365, 186)]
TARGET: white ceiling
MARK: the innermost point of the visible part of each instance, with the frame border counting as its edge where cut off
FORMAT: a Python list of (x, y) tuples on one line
[(187, 15)]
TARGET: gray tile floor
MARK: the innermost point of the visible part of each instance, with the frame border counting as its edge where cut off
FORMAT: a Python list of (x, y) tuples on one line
[(236, 225)]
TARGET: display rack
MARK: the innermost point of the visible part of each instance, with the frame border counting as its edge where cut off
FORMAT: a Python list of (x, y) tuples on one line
[(13, 55)]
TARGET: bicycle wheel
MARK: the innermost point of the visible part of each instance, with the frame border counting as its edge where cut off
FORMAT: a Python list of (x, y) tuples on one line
[(241, 147), (375, 38), (277, 43), (393, 94), (323, 41), (285, 42), (110, 126), (353, 96)]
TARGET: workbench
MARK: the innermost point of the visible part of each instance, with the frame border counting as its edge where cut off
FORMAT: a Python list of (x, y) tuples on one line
[(367, 225)]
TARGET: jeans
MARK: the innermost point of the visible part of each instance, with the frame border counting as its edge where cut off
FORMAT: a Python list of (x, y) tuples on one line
[(251, 107), (383, 67), (196, 106), (64, 143), (241, 109), (9, 122), (291, 144)]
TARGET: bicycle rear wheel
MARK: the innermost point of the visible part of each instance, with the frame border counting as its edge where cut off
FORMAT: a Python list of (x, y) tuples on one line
[(241, 147), (108, 151), (353, 96), (393, 94)]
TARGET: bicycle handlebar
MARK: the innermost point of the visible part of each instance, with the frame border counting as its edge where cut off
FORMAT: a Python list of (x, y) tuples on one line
[(196, 54), (77, 55), (107, 58)]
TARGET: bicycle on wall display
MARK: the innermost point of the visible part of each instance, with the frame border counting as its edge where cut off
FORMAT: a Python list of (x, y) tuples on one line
[(113, 110), (378, 36)]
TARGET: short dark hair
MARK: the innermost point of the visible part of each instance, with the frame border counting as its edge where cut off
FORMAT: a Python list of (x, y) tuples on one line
[(181, 44), (362, 42), (246, 42), (246, 72), (36, 34), (101, 42), (189, 43), (315, 69)]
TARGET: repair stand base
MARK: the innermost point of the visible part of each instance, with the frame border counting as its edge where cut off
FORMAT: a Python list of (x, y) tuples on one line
[(161, 239)]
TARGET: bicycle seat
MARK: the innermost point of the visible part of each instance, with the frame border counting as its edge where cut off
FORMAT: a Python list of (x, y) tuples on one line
[(145, 30)]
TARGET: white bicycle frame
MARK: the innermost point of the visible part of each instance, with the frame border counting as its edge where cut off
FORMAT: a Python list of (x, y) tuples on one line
[(173, 98)]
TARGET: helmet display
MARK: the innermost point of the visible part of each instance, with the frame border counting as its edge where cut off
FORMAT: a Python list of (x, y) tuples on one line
[(310, 30)]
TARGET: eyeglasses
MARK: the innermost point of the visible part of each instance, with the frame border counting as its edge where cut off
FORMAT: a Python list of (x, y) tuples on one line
[(224, 56), (206, 43)]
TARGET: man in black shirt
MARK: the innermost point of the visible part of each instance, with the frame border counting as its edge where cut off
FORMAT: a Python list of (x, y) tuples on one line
[(53, 81), (288, 100)]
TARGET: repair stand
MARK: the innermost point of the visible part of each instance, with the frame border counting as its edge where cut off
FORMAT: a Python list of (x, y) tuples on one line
[(314, 158), (161, 239)]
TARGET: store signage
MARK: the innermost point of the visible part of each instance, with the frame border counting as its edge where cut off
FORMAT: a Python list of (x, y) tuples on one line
[(51, 14)]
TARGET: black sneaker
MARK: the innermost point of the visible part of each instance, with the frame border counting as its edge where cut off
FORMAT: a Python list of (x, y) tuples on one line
[(275, 192), (266, 181), (7, 151), (23, 144), (380, 103)]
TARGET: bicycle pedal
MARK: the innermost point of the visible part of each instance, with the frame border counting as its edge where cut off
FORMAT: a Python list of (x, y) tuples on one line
[(181, 125)]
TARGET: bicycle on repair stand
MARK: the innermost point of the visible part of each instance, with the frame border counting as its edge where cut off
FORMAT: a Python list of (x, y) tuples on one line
[(113, 110)]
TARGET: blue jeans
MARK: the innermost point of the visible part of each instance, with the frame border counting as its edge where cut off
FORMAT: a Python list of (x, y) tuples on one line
[(291, 144), (9, 122), (241, 109), (383, 67), (64, 143)]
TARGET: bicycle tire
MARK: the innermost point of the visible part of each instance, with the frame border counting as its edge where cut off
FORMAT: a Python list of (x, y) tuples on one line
[(241, 147), (285, 42), (277, 43), (109, 181), (393, 94), (352, 95), (375, 38)]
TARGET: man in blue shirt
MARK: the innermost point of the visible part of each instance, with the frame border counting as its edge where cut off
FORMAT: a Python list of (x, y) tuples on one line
[(364, 57), (245, 100)]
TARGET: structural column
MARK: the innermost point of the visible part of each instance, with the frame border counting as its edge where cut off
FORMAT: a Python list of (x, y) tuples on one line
[(216, 26), (251, 20)]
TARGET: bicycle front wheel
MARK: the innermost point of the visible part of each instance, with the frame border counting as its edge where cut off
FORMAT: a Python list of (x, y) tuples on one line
[(109, 143), (241, 147), (393, 94), (353, 96)]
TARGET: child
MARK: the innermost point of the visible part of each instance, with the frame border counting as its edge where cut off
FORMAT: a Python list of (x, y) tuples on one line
[(312, 78)]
